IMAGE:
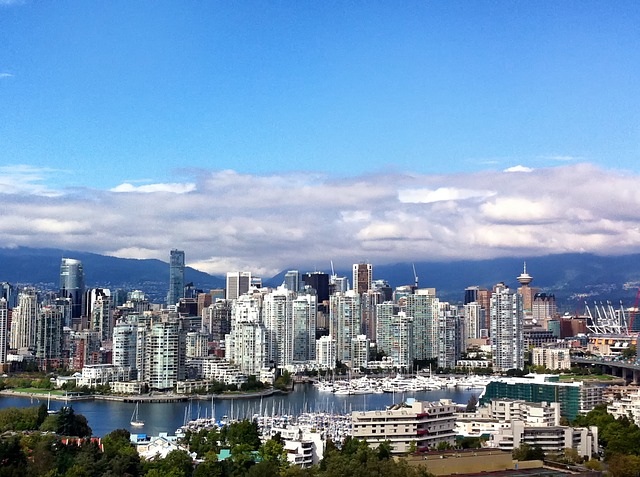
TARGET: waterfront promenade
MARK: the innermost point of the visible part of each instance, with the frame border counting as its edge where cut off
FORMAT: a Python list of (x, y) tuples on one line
[(136, 398)]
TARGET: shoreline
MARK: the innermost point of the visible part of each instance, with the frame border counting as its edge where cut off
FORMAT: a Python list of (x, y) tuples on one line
[(146, 398)]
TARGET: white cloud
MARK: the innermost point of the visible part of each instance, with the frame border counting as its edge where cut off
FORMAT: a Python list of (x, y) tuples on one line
[(518, 168), (6, 75), (229, 221), (174, 188)]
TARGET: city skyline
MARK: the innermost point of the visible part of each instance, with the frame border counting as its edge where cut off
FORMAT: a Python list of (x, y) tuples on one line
[(262, 136)]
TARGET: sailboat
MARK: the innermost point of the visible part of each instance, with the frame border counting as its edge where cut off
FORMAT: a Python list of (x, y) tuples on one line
[(49, 410), (135, 421)]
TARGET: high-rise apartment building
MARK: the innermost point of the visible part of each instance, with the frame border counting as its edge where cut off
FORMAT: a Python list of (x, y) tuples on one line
[(246, 344), (507, 329), (385, 315), (400, 339), (326, 352), (23, 320), (362, 277), (475, 321), (49, 337), (176, 277), (423, 307), (277, 316), (238, 284), (125, 344), (165, 354), (344, 321), (4, 324), (304, 312), (72, 284), (100, 312)]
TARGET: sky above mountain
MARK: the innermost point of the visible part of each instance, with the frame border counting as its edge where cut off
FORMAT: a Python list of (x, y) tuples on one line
[(264, 135)]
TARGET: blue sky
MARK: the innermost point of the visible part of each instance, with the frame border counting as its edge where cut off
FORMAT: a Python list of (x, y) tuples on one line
[(103, 101)]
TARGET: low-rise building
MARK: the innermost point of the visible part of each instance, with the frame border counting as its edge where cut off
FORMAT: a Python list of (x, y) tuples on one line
[(426, 424), (627, 404), (100, 374), (551, 357), (551, 439)]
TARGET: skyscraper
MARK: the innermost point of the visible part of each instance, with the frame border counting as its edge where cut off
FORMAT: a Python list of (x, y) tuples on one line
[(238, 284), (49, 337), (176, 277), (23, 320), (507, 329), (345, 320), (423, 307), (362, 277), (292, 280), (72, 284), (4, 321)]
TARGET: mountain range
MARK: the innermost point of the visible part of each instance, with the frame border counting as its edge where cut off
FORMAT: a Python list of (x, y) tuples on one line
[(572, 278)]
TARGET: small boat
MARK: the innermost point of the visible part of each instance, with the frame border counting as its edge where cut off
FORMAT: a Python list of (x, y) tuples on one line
[(135, 421)]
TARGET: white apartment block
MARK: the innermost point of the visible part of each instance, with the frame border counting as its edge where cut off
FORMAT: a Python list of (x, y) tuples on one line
[(424, 423), (326, 352), (4, 322), (360, 352), (277, 316), (99, 374), (197, 344), (627, 405), (551, 439), (551, 358)]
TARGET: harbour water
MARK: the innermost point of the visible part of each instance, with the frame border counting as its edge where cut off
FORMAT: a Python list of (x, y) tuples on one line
[(105, 416)]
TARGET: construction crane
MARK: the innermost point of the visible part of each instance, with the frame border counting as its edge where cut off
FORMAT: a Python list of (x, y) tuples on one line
[(415, 275)]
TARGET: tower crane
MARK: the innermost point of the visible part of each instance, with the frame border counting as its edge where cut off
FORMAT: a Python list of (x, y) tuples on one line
[(415, 275)]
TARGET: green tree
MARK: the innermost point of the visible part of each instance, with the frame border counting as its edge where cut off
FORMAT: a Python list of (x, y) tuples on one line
[(620, 465), (273, 451), (242, 432)]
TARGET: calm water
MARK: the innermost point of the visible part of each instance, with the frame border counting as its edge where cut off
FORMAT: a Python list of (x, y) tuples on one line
[(105, 416)]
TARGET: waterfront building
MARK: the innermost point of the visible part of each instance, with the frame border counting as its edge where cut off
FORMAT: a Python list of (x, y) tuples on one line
[(246, 346), (551, 439), (423, 306), (4, 324), (222, 371), (72, 285), (326, 352), (362, 277), (49, 337), (344, 321), (277, 316), (360, 352), (292, 280), (449, 336), (507, 327), (23, 320), (176, 276), (238, 283), (125, 342), (304, 312), (385, 315), (100, 374), (400, 340), (574, 398), (426, 424), (165, 354)]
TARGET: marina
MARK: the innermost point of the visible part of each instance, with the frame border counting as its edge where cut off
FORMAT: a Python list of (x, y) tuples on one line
[(105, 416)]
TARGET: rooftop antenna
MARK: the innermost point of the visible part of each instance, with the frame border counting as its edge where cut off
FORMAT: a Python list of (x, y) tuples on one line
[(415, 275)]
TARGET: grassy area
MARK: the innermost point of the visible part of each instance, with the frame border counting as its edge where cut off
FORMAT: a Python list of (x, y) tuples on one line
[(586, 377), (54, 392)]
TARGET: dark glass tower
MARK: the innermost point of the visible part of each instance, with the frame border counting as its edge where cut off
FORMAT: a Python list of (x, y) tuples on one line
[(72, 284), (176, 277)]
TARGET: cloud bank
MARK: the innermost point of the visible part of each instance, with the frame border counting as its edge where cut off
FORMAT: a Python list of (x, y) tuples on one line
[(228, 221)]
